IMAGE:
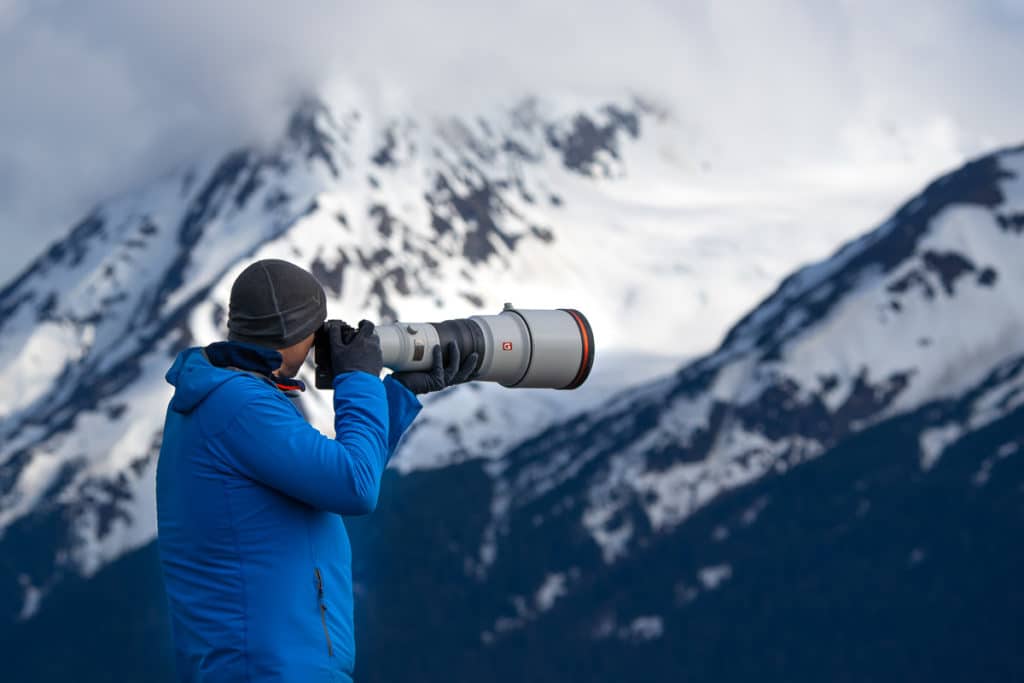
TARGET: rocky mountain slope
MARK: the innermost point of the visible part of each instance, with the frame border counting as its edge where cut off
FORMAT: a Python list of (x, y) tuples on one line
[(544, 203), (847, 457), (834, 493)]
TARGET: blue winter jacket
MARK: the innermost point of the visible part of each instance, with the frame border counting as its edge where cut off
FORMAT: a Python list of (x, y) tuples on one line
[(256, 560)]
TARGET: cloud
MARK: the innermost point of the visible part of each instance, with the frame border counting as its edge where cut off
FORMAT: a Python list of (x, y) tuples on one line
[(100, 96)]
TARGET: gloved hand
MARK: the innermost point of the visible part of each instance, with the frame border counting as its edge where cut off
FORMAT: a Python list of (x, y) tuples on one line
[(354, 349), (440, 375)]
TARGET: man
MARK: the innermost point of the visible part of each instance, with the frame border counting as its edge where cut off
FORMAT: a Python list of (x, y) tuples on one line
[(255, 557)]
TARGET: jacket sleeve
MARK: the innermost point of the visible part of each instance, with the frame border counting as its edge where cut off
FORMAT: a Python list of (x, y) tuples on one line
[(403, 407), (273, 444)]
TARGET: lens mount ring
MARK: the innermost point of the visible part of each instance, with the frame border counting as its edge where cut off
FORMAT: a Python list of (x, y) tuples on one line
[(587, 341)]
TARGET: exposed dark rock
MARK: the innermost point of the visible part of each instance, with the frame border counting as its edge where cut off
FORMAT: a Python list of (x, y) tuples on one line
[(586, 140), (865, 401), (398, 278), (779, 412), (116, 410), (203, 209), (218, 316), (473, 299), (699, 444), (385, 220), (974, 184), (105, 497), (515, 149), (206, 206), (478, 209), (377, 258), (440, 225), (543, 234), (478, 247), (275, 199), (332, 278), (828, 383), (913, 279), (139, 464), (304, 129), (310, 209), (624, 120), (949, 266), (1011, 222), (252, 183), (583, 143), (47, 308), (11, 469), (76, 244), (387, 313), (385, 153), (429, 261)]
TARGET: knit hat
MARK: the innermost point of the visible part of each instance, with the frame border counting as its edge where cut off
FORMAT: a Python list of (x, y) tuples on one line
[(275, 304)]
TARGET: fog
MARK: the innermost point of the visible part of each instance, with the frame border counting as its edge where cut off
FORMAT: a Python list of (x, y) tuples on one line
[(100, 97)]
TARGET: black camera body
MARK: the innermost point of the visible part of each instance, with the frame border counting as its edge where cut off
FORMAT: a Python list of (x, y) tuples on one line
[(322, 358)]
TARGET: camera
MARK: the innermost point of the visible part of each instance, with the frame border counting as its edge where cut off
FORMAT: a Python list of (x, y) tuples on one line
[(518, 348)]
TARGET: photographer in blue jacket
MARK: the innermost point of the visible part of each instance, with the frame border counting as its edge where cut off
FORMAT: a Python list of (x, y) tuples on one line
[(250, 496)]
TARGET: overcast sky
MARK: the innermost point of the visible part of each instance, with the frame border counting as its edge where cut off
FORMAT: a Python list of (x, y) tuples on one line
[(100, 96)]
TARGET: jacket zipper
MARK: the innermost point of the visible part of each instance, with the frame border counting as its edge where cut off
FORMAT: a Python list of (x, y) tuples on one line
[(323, 609)]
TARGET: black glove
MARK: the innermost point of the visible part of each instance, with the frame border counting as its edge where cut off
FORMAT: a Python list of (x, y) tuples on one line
[(440, 375), (354, 349)]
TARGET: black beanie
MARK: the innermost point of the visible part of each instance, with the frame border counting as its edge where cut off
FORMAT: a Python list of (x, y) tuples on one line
[(275, 304)]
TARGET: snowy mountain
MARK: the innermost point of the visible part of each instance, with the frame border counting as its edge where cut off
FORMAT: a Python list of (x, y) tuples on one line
[(432, 223), (835, 493), (522, 532), (545, 204), (925, 308)]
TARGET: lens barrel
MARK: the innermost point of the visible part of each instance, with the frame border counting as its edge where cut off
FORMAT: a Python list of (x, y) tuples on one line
[(466, 333), (551, 349)]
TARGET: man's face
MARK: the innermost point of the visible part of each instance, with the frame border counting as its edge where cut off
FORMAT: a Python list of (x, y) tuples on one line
[(294, 356)]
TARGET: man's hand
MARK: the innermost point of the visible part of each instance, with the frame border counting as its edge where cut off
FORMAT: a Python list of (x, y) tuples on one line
[(440, 375), (354, 349)]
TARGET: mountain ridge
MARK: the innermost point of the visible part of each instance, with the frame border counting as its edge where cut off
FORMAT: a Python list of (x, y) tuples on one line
[(92, 323), (905, 339)]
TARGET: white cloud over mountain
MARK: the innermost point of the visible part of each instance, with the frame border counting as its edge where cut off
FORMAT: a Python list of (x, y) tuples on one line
[(99, 97)]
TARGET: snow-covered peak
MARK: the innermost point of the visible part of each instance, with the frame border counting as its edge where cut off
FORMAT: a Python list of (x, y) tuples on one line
[(925, 310), (420, 218), (540, 204)]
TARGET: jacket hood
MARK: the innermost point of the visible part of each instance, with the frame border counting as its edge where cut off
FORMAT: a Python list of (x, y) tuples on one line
[(194, 378)]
